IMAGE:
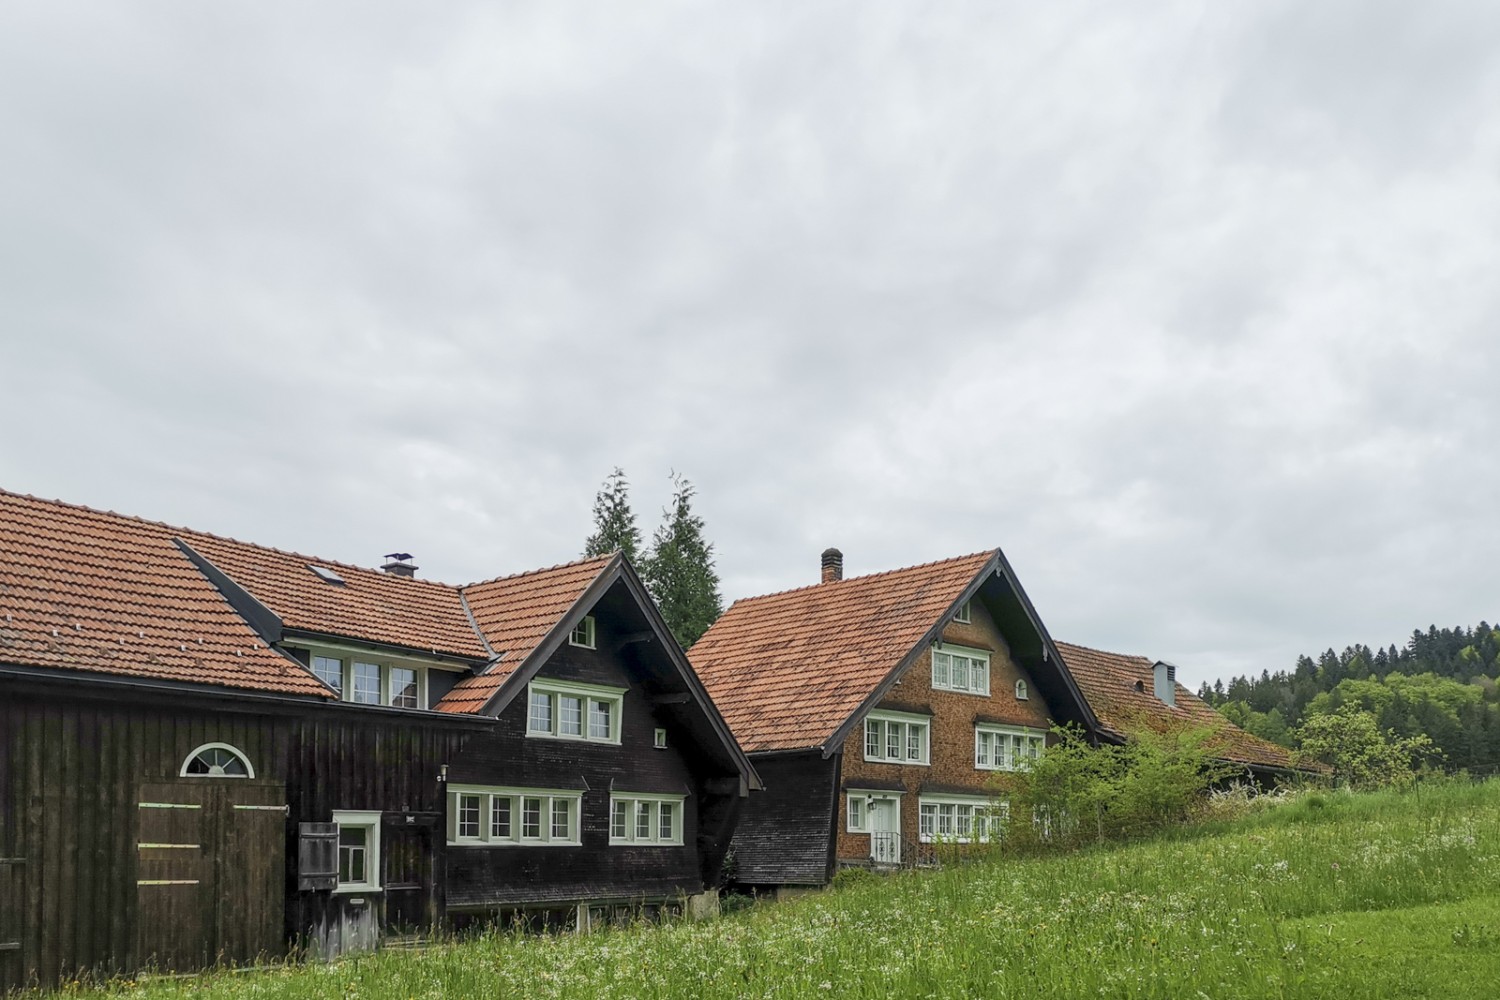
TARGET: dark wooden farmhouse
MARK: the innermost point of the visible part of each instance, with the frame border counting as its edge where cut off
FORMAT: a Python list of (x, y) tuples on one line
[(881, 711), (214, 751)]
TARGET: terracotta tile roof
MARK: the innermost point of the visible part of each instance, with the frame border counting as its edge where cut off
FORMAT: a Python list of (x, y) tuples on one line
[(369, 604), (86, 590), (1109, 682), (787, 669), (516, 613)]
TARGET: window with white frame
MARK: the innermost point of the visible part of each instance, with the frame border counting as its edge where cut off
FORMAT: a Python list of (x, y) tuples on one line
[(485, 816), (570, 711), (959, 668), (965, 613), (1006, 748), (857, 819), (640, 818), (368, 680), (960, 819), (897, 737), (1022, 693), (217, 760), (583, 633), (359, 849)]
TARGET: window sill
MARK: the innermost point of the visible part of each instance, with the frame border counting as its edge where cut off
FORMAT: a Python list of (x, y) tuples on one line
[(532, 734), (351, 888), (498, 844)]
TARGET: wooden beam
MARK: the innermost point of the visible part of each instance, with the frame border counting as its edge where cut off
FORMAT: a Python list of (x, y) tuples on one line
[(631, 638), (675, 698)]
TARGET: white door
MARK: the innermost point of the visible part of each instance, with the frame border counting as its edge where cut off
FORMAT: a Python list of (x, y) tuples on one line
[(885, 831)]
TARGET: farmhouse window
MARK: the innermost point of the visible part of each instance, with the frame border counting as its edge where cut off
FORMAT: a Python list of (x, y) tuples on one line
[(958, 668), (216, 760), (964, 614), (958, 819), (640, 818), (371, 682), (897, 737), (583, 634), (359, 850), (1006, 748), (484, 816), (556, 709)]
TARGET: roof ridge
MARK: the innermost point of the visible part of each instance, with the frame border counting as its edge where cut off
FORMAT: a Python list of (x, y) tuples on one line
[(867, 576), (1103, 652), (541, 569)]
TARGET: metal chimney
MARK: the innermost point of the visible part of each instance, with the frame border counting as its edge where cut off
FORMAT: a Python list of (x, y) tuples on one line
[(399, 564), (1166, 682)]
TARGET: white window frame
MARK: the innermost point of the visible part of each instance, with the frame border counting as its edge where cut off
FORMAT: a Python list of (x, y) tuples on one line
[(856, 816), (965, 613), (659, 739), (903, 723), (631, 801), (487, 794), (369, 821), (555, 690), (984, 815), (1023, 690), (584, 633), (244, 759), (346, 659), (1022, 745), (971, 656)]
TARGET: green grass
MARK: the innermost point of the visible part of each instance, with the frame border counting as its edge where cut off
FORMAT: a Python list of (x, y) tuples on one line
[(1379, 895)]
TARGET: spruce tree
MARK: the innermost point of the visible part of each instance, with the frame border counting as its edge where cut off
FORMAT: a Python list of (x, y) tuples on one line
[(679, 569), (614, 521)]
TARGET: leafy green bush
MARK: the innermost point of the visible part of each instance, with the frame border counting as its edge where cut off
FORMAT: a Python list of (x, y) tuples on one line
[(1351, 742)]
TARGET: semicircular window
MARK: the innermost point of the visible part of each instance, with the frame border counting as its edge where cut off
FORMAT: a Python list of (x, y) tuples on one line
[(217, 760)]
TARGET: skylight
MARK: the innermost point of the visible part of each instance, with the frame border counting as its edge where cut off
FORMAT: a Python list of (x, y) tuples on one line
[(326, 575)]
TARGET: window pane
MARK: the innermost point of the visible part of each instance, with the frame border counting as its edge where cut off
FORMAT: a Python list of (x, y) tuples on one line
[(664, 829), (945, 819), (531, 818), (468, 816), (569, 715), (893, 740), (352, 841), (982, 748), (981, 676), (330, 672), (643, 821), (500, 818), (561, 827), (619, 820), (599, 719), (965, 820), (541, 712), (872, 738), (366, 684), (927, 820), (856, 814), (403, 687), (914, 734), (940, 669)]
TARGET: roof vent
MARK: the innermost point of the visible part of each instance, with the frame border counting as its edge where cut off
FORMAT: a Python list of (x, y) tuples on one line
[(1166, 682), (399, 564), (833, 565), (326, 575)]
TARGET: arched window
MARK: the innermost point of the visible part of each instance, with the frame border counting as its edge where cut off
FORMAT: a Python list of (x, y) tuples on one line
[(217, 760), (1021, 694)]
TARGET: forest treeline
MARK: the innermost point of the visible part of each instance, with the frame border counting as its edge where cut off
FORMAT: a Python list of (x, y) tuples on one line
[(1442, 684)]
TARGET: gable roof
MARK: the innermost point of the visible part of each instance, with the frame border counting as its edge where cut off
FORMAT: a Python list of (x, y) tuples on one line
[(86, 590), (1109, 683), (792, 670), (516, 614)]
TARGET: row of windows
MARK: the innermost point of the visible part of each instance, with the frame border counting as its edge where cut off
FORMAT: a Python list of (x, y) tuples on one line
[(895, 738), (999, 748), (574, 711), (967, 671), (952, 819), (369, 683), (508, 816)]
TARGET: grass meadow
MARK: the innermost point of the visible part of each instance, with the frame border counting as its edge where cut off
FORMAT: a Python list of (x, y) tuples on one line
[(1392, 894)]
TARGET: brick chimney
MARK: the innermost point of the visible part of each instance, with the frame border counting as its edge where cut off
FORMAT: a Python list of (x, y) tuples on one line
[(399, 564), (833, 565)]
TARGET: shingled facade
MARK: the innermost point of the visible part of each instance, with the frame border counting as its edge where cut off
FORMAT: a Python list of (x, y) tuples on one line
[(882, 711), (213, 750)]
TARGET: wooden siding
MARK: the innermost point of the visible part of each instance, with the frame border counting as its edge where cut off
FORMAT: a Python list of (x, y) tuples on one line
[(491, 877), (785, 834)]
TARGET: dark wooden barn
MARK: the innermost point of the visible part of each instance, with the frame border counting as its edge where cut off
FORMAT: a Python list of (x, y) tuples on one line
[(217, 752)]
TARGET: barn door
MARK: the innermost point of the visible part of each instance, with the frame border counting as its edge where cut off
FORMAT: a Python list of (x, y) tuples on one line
[(10, 921), (209, 874)]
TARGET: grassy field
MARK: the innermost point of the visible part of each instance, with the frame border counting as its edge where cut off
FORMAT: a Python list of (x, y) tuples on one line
[(1382, 895)]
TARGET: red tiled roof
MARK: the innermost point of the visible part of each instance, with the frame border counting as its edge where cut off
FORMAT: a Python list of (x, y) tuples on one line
[(369, 604), (516, 613), (787, 669), (1108, 681), (81, 589)]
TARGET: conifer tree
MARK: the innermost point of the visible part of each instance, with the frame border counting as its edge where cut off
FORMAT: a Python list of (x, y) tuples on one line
[(679, 569), (614, 521)]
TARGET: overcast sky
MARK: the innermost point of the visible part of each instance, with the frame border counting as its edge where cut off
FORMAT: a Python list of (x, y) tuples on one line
[(1192, 308)]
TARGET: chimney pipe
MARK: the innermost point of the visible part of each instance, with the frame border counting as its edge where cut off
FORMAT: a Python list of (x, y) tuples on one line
[(833, 565), (399, 564), (1166, 682)]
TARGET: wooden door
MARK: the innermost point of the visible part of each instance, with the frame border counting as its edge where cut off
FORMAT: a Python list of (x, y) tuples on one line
[(407, 850), (885, 831), (10, 922), (210, 875)]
